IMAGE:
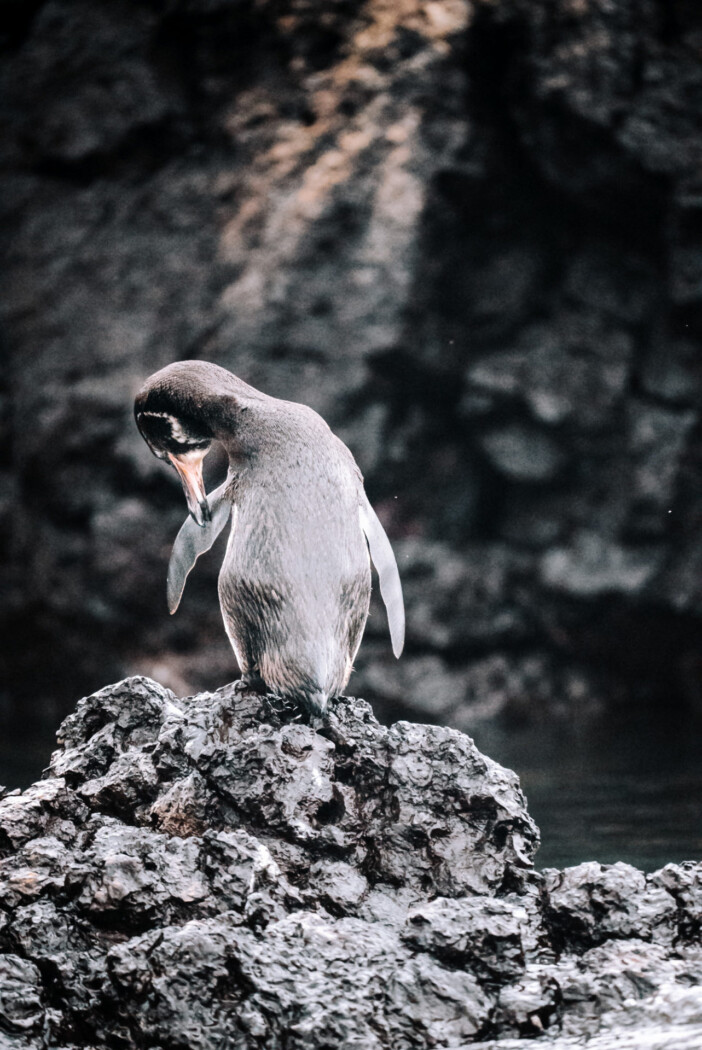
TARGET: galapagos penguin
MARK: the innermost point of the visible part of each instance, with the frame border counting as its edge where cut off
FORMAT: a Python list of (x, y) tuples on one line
[(295, 583)]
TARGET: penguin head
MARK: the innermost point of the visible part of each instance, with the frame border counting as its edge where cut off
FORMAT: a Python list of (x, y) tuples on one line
[(172, 420), (182, 409)]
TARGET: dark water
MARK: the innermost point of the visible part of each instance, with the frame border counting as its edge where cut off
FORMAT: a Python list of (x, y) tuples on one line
[(25, 750), (627, 789)]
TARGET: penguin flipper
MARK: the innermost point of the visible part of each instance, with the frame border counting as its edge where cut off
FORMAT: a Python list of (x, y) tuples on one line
[(384, 560), (192, 541)]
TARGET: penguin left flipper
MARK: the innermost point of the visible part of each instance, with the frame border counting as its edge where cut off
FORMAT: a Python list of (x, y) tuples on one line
[(384, 560), (192, 541)]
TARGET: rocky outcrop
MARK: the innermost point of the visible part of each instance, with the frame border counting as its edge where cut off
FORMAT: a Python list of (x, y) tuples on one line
[(467, 233), (218, 871)]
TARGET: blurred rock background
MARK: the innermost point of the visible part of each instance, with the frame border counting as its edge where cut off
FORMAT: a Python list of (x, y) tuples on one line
[(470, 235)]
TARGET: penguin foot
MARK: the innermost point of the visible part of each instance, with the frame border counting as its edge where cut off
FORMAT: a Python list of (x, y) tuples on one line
[(251, 683), (291, 708)]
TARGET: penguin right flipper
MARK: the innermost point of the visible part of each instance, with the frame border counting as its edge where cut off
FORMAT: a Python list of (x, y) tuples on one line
[(384, 560), (192, 541)]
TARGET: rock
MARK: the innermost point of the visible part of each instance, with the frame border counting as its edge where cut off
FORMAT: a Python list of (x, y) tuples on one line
[(525, 687), (593, 567), (658, 440), (221, 870), (670, 371), (592, 902), (682, 881), (21, 995), (523, 454), (465, 599), (572, 369), (478, 933)]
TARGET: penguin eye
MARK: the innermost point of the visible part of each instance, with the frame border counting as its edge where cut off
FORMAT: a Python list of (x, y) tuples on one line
[(166, 433)]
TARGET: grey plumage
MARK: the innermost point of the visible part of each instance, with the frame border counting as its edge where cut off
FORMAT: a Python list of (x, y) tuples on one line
[(295, 582)]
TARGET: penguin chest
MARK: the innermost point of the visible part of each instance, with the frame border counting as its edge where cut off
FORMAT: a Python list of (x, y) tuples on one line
[(295, 586)]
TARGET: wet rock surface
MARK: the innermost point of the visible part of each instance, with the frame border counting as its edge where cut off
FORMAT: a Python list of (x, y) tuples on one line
[(468, 234), (219, 871)]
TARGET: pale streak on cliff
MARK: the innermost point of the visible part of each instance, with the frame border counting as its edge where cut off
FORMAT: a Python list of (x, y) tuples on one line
[(292, 183)]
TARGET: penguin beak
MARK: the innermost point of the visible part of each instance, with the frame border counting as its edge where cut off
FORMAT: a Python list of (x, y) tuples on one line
[(189, 467)]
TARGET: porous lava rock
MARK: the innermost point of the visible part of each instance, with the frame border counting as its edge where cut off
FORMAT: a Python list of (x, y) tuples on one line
[(224, 871)]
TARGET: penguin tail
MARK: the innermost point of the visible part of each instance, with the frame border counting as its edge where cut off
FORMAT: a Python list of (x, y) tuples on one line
[(317, 702)]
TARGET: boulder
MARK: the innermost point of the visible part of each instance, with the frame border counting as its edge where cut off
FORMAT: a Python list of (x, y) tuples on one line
[(225, 870)]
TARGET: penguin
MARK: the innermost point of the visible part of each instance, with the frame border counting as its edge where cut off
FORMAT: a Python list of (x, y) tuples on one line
[(295, 582)]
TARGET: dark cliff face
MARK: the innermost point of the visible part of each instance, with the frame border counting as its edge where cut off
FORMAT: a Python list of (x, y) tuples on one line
[(469, 235), (216, 872)]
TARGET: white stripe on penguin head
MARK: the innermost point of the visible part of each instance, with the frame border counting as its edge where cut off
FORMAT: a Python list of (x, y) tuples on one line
[(177, 432)]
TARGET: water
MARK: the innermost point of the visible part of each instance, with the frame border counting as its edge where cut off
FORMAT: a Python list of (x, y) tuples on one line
[(625, 788), (25, 750)]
